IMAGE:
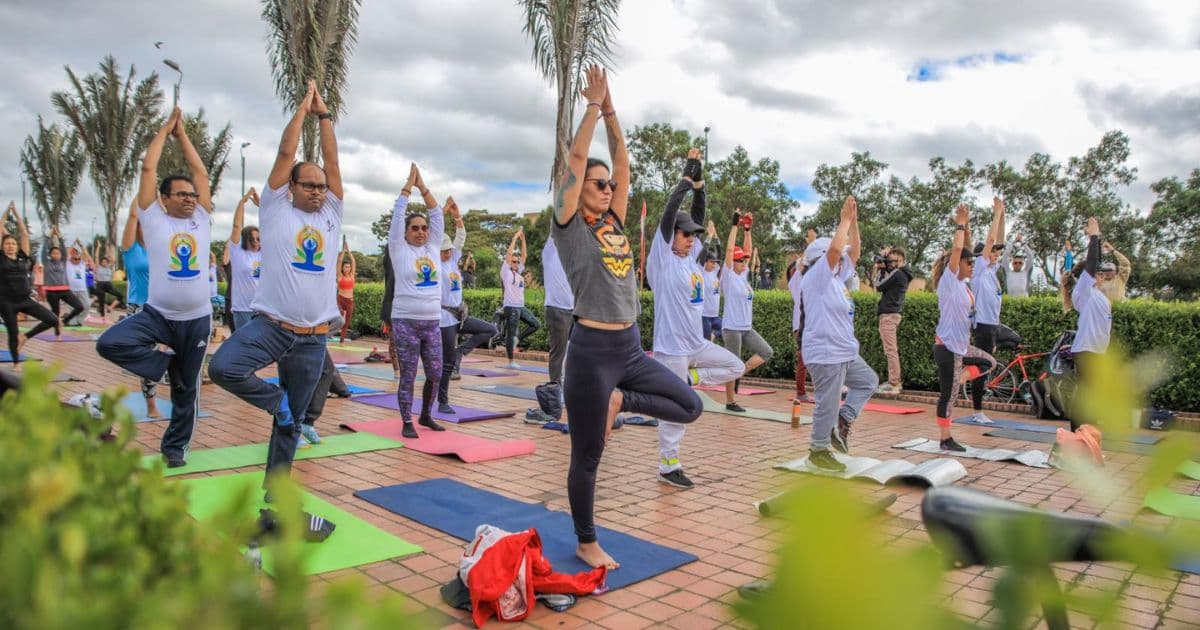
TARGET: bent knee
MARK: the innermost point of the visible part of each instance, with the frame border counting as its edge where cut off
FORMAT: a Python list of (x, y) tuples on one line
[(692, 407)]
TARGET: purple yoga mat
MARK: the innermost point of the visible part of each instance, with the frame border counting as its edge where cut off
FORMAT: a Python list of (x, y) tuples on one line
[(465, 414), (468, 371), (66, 336)]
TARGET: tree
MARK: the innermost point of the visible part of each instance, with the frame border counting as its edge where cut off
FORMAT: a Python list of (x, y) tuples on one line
[(382, 226), (568, 36), (114, 119), (213, 150), (53, 162), (311, 39), (1168, 261), (916, 215), (754, 186)]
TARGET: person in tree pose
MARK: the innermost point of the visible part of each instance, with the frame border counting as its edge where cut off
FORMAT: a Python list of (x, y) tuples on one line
[(513, 281), (243, 254), (16, 289)]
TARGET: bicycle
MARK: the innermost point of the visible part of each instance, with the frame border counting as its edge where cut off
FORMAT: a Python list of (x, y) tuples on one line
[(1004, 386)]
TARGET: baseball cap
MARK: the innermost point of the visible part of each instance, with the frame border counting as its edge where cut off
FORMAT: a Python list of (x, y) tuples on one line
[(687, 225), (739, 253), (447, 244), (1108, 267)]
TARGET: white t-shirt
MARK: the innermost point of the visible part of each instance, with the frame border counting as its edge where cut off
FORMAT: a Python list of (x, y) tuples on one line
[(245, 270), (299, 278), (987, 291), (712, 292), (955, 302), (418, 294), (1095, 316), (76, 276), (514, 284), (452, 286), (558, 290), (679, 298), (828, 314), (178, 284), (739, 300)]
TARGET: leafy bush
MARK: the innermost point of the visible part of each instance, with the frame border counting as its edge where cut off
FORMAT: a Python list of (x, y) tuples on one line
[(91, 539)]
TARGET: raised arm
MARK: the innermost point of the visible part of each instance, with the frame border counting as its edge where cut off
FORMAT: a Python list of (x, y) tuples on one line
[(285, 159), (1124, 268), (512, 248), (129, 236), (239, 221), (841, 236), (329, 150), (399, 210), (692, 179), (712, 245), (148, 185), (524, 249), (619, 155), (996, 231), (460, 229), (960, 238), (1091, 264), (437, 220), (855, 239), (83, 251), (747, 240), (732, 242), (566, 204), (195, 164)]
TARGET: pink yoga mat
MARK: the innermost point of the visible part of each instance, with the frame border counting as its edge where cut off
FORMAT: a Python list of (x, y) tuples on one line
[(464, 413), (472, 360), (885, 408), (468, 448), (749, 391)]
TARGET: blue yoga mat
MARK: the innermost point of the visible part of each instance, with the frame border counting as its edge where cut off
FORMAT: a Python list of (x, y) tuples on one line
[(6, 357), (354, 389), (531, 368), (1000, 423), (136, 404), (457, 509)]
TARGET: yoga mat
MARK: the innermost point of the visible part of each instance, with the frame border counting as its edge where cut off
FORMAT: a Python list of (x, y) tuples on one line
[(484, 373), (355, 390), (464, 414), (742, 391), (530, 368), (6, 357), (1036, 459), (379, 373), (1190, 470), (341, 356), (1170, 503), (713, 406), (1000, 423), (471, 360), (457, 509), (66, 336), (355, 542), (224, 458), (893, 409), (1049, 438), (58, 378), (504, 389), (468, 448), (136, 404)]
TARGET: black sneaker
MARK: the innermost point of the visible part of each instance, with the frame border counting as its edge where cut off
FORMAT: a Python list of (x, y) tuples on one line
[(409, 431), (735, 407), (823, 460), (949, 444), (175, 462), (676, 478), (840, 437), (533, 415)]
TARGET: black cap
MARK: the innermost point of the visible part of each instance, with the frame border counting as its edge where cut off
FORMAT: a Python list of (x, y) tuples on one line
[(685, 224), (978, 250)]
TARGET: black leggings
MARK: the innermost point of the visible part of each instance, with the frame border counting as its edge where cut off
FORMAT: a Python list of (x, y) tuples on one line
[(72, 300), (984, 337), (601, 361), (9, 309), (1083, 362), (479, 331), (529, 325), (948, 388), (104, 287)]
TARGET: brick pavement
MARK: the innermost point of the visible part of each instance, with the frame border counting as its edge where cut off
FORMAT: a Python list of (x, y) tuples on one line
[(730, 460)]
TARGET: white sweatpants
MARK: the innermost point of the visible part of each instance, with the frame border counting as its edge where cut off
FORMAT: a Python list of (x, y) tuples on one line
[(715, 366)]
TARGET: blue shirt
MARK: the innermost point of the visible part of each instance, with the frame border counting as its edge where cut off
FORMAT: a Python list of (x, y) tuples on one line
[(137, 274)]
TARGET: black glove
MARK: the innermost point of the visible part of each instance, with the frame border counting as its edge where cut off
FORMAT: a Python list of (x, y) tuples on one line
[(693, 170), (737, 218)]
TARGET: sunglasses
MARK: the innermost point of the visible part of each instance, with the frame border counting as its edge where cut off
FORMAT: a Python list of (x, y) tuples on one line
[(183, 194), (311, 187), (418, 228), (602, 183)]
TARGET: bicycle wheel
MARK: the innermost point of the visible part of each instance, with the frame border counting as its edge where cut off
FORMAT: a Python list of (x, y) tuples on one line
[(1004, 390)]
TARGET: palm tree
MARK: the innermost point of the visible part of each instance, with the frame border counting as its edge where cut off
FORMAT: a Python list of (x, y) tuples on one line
[(568, 36), (53, 162), (115, 119), (311, 39), (213, 150)]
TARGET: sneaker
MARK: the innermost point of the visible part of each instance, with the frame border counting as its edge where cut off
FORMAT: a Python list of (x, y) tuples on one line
[(446, 408), (175, 462), (981, 418), (676, 478), (302, 442), (455, 376), (512, 365), (887, 389), (804, 398), (823, 460), (534, 415), (309, 432), (840, 437), (949, 444), (733, 406)]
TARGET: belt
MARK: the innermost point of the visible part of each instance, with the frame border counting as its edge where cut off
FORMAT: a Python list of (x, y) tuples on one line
[(320, 329)]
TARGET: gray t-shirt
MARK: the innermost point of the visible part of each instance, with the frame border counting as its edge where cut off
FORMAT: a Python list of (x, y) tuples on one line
[(599, 265), (104, 274)]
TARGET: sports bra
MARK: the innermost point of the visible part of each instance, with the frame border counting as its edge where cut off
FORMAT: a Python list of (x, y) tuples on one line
[(345, 283)]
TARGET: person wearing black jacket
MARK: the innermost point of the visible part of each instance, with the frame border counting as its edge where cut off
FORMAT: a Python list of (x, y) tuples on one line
[(891, 281)]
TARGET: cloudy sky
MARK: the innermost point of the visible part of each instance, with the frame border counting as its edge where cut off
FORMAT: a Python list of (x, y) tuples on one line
[(449, 84)]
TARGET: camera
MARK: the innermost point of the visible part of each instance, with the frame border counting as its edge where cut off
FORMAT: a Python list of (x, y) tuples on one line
[(886, 261)]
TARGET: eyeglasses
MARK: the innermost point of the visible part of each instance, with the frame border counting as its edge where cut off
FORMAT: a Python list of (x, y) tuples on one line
[(602, 183), (183, 194), (419, 228), (311, 187)]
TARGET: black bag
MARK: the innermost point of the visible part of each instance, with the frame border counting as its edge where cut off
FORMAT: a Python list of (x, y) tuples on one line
[(1157, 419), (549, 399)]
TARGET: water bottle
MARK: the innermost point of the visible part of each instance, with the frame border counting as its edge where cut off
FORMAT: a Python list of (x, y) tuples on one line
[(795, 414)]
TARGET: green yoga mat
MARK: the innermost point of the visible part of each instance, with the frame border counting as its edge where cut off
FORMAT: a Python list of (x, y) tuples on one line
[(713, 406), (1171, 503), (1190, 470), (353, 543), (211, 459)]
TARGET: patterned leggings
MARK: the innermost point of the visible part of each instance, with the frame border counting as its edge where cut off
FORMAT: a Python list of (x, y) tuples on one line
[(414, 340), (149, 387), (949, 368)]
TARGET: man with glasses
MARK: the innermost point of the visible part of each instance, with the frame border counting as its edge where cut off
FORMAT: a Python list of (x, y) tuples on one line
[(176, 226), (301, 219)]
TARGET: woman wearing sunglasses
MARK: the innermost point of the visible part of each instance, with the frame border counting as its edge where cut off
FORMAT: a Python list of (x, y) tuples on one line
[(414, 248), (606, 370)]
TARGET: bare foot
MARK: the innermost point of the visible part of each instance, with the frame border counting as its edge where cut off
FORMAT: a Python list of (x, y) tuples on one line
[(614, 408), (152, 408), (594, 556)]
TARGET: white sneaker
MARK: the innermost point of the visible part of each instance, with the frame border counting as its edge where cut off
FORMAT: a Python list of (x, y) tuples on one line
[(886, 388), (982, 418), (512, 365)]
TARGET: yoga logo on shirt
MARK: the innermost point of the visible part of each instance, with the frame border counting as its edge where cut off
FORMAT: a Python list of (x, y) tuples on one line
[(310, 250), (455, 281), (256, 270), (614, 248), (697, 288), (716, 287), (183, 256), (426, 272)]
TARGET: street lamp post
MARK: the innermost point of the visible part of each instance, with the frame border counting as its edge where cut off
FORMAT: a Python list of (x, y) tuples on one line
[(174, 66), (242, 151), (706, 128), (24, 213)]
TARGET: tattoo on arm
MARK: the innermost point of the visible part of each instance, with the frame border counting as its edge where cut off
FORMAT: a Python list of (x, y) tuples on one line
[(567, 183)]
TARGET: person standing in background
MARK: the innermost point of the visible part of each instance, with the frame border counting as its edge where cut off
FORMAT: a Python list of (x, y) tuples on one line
[(891, 281)]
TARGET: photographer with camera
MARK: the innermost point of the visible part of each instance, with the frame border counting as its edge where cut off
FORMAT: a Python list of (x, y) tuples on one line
[(891, 278)]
